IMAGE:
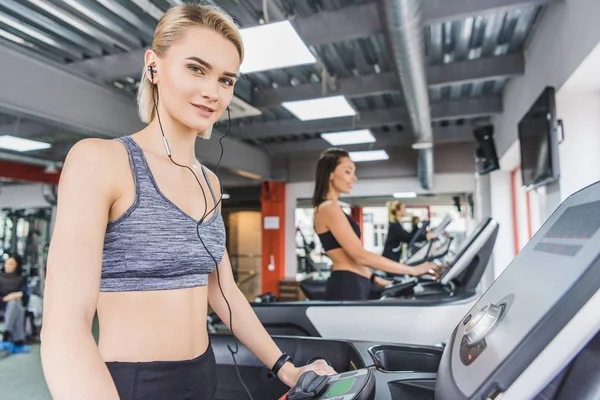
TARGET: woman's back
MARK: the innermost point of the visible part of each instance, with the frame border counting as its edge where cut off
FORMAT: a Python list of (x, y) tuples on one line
[(336, 228)]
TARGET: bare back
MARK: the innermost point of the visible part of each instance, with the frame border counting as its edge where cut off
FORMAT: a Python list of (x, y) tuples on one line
[(329, 217)]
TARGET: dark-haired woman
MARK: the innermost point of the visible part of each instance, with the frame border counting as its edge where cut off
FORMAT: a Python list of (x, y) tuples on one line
[(14, 296), (351, 278)]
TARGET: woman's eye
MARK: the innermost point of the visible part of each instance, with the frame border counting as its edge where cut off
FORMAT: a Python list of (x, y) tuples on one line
[(195, 69), (228, 82)]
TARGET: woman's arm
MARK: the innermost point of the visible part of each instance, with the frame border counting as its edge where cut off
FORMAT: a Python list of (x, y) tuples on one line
[(340, 227), (246, 325), (72, 365), (248, 328)]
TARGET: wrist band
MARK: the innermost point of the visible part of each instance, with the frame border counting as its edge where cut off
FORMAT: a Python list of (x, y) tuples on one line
[(279, 363)]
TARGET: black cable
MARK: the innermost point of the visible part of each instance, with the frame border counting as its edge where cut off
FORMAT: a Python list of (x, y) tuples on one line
[(201, 221)]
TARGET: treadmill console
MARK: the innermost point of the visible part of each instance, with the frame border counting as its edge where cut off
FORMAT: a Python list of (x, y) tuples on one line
[(353, 385), (548, 282), (421, 255)]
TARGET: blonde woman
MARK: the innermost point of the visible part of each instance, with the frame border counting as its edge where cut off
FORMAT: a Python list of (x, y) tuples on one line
[(139, 237), (397, 235)]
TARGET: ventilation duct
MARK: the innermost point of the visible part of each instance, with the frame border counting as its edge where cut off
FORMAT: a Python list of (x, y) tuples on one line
[(403, 19)]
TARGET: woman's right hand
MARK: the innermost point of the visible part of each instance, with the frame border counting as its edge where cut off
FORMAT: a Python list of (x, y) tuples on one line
[(427, 268)]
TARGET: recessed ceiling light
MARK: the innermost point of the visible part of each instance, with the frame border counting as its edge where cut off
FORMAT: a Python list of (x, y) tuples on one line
[(373, 155), (349, 137), (405, 195), (273, 46), (19, 144), (326, 107), (422, 145)]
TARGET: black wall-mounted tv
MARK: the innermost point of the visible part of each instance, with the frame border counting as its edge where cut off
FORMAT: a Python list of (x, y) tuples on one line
[(539, 142)]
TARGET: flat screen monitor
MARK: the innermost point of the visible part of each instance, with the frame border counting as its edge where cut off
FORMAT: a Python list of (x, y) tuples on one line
[(539, 142)]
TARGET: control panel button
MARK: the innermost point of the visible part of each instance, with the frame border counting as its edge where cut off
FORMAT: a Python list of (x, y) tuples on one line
[(482, 323)]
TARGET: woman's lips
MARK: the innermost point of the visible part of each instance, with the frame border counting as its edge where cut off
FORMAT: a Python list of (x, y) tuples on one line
[(204, 111)]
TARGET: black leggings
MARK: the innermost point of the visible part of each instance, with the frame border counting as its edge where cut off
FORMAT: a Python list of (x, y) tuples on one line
[(347, 285), (161, 380)]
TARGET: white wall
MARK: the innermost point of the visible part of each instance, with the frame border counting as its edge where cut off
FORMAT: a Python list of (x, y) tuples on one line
[(580, 152), (503, 214), (22, 196), (567, 33), (444, 183)]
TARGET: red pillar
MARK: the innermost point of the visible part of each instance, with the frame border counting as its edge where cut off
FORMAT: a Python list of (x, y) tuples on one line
[(26, 172), (357, 215), (273, 235)]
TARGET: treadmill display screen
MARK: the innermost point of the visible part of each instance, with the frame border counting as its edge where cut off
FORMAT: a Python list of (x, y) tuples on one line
[(340, 388), (577, 222), (469, 241), (420, 255), (440, 248), (557, 248)]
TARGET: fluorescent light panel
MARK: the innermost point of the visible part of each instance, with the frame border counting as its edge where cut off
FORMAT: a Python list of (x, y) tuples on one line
[(405, 195), (18, 144), (373, 155), (326, 107), (349, 137), (273, 46)]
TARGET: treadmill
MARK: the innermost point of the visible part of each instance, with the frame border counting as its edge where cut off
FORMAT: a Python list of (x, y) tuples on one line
[(409, 317), (464, 271), (534, 334)]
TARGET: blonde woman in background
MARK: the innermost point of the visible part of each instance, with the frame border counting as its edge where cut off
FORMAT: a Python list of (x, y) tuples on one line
[(397, 235)]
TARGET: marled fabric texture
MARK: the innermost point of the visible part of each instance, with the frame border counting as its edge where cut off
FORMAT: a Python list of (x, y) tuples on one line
[(154, 244)]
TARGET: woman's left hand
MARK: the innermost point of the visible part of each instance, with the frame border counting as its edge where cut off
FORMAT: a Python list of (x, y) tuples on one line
[(290, 374)]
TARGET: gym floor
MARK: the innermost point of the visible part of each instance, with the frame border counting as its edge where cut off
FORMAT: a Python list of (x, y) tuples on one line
[(21, 376)]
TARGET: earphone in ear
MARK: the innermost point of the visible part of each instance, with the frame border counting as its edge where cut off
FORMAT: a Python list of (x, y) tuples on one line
[(151, 70)]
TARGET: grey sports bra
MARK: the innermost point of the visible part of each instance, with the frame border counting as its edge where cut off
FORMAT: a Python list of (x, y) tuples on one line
[(154, 244)]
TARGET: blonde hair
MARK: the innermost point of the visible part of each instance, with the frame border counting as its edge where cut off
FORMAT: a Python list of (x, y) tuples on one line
[(393, 207), (171, 27)]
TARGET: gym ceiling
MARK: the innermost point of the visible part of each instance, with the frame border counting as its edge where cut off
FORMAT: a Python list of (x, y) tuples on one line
[(472, 50)]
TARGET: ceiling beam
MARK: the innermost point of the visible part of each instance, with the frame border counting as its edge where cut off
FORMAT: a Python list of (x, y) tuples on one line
[(335, 26), (365, 85), (467, 108), (483, 69), (24, 129), (436, 11), (450, 134), (369, 85), (450, 110), (294, 127), (32, 88)]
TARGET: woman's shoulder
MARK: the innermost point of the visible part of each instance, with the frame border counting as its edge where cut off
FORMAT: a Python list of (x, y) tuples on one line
[(100, 160), (95, 152)]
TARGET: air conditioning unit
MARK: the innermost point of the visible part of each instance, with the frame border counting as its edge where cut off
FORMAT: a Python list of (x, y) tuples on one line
[(240, 109)]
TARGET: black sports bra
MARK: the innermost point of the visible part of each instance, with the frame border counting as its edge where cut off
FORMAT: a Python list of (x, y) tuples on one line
[(329, 242)]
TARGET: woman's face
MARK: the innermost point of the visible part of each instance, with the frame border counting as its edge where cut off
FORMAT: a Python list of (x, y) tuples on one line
[(343, 177), (400, 212), (10, 265), (195, 77)]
